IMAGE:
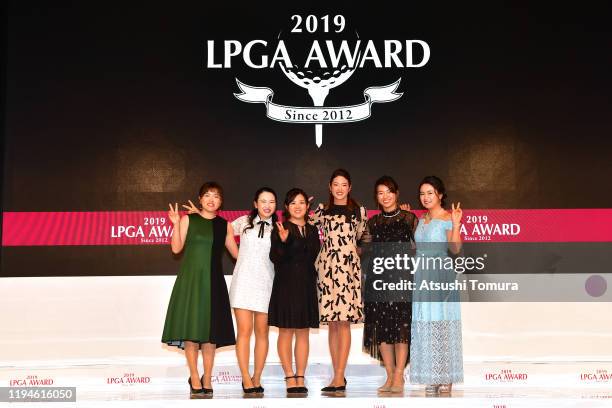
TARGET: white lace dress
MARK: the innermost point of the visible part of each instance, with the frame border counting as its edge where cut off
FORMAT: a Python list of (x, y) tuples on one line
[(254, 272)]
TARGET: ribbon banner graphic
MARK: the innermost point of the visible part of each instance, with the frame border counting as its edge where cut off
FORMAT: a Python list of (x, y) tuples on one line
[(319, 115)]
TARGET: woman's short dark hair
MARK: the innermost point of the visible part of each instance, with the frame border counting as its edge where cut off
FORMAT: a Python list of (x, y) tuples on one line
[(289, 197), (388, 182), (211, 186)]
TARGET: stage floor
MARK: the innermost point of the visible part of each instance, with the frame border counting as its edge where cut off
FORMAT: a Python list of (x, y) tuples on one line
[(493, 385)]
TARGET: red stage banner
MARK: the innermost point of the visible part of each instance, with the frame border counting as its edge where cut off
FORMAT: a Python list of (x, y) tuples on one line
[(154, 227)]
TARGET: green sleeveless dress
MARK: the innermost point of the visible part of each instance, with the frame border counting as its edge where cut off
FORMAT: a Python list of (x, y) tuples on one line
[(199, 308)]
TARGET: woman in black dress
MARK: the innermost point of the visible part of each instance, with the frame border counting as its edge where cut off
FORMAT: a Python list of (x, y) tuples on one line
[(294, 307), (386, 332)]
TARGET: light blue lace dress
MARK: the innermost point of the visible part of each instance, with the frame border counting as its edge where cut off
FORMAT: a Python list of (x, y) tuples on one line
[(436, 352)]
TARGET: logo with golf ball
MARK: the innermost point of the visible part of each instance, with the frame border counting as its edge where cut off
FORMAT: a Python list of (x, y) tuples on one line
[(332, 52)]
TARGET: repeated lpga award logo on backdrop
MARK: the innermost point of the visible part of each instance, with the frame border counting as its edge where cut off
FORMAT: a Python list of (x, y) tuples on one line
[(332, 54)]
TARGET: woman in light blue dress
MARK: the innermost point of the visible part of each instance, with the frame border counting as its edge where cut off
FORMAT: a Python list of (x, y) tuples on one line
[(436, 355)]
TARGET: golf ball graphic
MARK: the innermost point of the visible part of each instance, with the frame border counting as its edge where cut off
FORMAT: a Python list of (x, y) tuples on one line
[(319, 80)]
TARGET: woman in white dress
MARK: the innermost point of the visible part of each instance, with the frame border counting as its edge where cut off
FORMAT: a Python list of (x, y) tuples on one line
[(252, 285)]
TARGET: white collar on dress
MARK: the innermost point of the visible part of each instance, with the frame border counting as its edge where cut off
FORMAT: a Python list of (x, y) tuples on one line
[(258, 218)]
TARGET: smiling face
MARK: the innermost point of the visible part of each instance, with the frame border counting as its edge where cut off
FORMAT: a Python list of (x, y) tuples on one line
[(340, 189), (265, 204), (298, 207), (386, 198), (211, 201), (430, 198)]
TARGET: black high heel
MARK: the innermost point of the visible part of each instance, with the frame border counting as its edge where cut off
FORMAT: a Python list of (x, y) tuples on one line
[(193, 390), (302, 390), (258, 388), (250, 390), (342, 388), (207, 391)]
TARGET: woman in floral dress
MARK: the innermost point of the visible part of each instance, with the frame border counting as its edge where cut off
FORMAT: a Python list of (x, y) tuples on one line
[(342, 222)]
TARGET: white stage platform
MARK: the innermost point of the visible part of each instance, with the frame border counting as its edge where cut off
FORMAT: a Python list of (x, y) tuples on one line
[(102, 336), (492, 385)]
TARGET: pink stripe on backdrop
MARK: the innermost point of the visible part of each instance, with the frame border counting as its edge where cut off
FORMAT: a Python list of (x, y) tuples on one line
[(154, 228)]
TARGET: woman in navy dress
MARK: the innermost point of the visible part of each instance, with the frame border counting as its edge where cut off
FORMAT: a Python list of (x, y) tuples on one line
[(386, 332)]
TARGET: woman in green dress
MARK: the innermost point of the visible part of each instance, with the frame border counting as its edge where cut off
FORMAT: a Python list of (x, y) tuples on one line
[(199, 315)]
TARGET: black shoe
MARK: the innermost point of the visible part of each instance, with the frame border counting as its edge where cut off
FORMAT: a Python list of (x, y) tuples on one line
[(302, 390), (258, 388), (251, 390), (207, 391), (342, 388), (193, 390), (292, 390), (329, 388)]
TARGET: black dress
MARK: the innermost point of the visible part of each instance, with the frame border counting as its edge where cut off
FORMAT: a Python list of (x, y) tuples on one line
[(388, 322), (293, 302)]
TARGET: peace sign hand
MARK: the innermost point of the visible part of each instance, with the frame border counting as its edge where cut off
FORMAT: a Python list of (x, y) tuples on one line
[(282, 232), (191, 208), (405, 206), (456, 213), (173, 214)]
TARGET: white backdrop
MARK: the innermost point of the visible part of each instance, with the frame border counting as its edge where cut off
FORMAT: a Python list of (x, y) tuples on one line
[(120, 318)]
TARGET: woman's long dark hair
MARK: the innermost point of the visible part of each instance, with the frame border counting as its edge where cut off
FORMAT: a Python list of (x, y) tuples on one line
[(254, 211), (351, 204), (291, 194), (437, 184)]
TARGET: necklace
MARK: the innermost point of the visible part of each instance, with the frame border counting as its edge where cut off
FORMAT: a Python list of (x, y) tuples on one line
[(390, 215), (428, 217)]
